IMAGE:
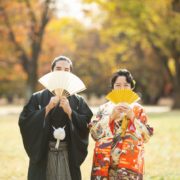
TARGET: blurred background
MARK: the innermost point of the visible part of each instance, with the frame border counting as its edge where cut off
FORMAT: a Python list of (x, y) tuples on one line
[(99, 36)]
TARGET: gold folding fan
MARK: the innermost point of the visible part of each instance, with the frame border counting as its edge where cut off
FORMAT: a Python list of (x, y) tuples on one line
[(122, 95), (62, 83)]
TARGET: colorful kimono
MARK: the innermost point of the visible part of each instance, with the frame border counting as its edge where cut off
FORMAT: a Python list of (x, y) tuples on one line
[(117, 157)]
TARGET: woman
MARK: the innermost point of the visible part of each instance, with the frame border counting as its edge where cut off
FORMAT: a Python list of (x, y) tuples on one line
[(118, 157)]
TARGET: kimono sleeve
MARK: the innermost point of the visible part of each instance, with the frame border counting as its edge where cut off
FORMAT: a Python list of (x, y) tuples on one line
[(96, 126), (33, 129), (141, 121), (82, 116), (80, 132)]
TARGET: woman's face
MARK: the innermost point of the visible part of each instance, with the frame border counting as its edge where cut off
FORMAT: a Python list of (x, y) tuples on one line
[(62, 66), (121, 83)]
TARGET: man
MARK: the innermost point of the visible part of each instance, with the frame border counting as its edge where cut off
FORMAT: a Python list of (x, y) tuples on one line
[(40, 117)]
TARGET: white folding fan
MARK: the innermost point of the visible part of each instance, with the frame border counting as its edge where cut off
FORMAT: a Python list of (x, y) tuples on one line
[(62, 83)]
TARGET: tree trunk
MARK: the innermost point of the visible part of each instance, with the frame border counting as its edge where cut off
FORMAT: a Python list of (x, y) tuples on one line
[(177, 84), (29, 90), (177, 98), (32, 77), (31, 86), (176, 5)]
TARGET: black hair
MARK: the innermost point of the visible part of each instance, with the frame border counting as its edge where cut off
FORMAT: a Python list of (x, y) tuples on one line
[(61, 58), (126, 74)]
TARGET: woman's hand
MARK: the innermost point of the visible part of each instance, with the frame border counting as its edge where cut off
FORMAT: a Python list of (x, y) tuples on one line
[(122, 108), (116, 113), (64, 103), (125, 108)]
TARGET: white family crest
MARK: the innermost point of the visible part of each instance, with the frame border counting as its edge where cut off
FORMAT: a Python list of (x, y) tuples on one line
[(59, 134)]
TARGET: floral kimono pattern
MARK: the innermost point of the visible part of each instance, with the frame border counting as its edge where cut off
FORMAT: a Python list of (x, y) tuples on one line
[(117, 157)]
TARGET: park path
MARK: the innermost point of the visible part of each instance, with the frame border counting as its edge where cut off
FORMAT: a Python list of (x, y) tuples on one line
[(14, 110)]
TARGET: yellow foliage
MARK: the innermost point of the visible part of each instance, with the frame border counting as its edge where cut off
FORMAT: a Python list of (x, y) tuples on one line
[(172, 67)]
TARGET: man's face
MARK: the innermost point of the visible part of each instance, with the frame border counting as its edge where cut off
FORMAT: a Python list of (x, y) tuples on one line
[(62, 66)]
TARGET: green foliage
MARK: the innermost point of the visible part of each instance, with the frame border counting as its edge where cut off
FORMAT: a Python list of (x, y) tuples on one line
[(146, 35)]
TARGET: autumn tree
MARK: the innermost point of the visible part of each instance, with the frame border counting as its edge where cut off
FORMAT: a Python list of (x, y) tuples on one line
[(24, 24), (141, 29)]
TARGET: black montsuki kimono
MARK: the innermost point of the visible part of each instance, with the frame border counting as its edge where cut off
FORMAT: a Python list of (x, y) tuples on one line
[(35, 131)]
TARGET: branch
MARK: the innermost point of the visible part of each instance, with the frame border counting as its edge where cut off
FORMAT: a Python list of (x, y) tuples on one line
[(45, 18), (32, 16), (20, 51), (162, 56), (156, 49), (36, 44)]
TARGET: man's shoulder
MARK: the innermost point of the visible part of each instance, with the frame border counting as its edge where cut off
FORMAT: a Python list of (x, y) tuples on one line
[(78, 96), (43, 91), (41, 94)]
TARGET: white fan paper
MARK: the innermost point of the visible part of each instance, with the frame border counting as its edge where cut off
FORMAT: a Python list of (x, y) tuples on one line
[(62, 83)]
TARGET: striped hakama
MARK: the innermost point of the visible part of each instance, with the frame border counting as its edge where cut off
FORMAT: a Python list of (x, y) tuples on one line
[(58, 163)]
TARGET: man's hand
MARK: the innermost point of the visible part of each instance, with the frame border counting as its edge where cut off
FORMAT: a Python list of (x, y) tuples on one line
[(64, 103), (52, 103)]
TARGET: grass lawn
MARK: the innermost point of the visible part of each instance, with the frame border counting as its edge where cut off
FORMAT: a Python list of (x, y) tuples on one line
[(162, 152)]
